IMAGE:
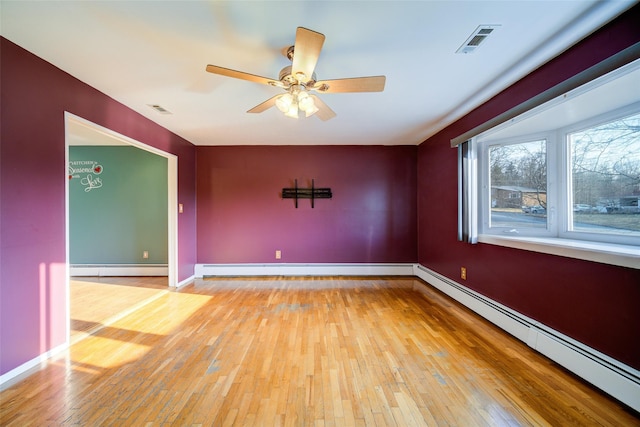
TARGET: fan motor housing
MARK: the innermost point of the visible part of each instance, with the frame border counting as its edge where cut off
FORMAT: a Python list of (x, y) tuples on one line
[(288, 79)]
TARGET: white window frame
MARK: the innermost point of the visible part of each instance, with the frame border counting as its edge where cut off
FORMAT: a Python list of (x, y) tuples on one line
[(557, 238), (484, 190), (565, 231)]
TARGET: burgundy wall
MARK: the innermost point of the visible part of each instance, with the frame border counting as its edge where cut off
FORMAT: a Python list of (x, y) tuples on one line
[(594, 303), (34, 97), (243, 219)]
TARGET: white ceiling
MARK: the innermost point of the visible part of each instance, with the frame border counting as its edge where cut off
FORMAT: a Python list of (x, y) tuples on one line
[(613, 91), (155, 52)]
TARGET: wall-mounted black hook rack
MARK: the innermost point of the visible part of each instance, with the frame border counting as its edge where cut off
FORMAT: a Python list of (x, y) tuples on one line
[(306, 193)]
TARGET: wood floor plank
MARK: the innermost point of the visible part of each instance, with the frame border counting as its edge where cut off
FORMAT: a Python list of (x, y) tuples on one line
[(299, 352)]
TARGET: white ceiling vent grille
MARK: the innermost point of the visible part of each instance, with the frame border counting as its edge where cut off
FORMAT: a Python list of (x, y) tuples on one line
[(160, 109), (476, 38)]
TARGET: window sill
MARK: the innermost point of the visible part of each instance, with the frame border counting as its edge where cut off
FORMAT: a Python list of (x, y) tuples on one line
[(606, 253)]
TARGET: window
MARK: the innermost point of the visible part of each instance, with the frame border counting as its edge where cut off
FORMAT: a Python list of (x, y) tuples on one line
[(517, 185), (605, 177), (528, 189), (565, 174)]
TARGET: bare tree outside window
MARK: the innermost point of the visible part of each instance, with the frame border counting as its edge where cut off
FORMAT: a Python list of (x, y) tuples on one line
[(518, 179), (605, 169), (565, 173)]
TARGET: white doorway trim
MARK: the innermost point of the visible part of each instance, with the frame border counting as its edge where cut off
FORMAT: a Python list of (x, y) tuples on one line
[(75, 128)]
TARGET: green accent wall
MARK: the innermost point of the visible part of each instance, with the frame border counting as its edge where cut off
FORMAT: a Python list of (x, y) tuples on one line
[(117, 205)]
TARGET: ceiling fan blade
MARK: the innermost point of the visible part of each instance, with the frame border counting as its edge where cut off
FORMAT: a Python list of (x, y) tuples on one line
[(241, 75), (324, 113), (305, 53), (264, 106), (356, 84)]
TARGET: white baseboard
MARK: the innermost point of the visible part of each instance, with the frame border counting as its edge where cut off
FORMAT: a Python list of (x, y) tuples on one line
[(204, 270), (185, 281), (17, 374), (611, 376), (96, 270)]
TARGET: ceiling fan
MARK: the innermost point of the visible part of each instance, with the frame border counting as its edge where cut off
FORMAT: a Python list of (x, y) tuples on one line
[(299, 80)]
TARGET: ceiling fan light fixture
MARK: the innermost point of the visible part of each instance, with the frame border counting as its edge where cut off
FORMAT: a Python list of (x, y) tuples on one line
[(284, 102), (305, 102), (311, 110), (295, 100), (293, 111), (299, 78)]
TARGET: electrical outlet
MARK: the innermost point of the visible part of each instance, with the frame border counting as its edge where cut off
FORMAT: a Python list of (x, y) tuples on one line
[(145, 254), (463, 273), (278, 254)]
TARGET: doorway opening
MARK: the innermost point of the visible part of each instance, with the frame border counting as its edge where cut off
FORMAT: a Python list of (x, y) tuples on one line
[(82, 133)]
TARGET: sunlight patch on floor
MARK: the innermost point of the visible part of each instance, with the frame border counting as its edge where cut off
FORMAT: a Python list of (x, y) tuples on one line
[(136, 332), (95, 302), (98, 352)]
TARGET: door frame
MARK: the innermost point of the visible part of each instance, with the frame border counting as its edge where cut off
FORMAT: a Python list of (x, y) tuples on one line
[(172, 189)]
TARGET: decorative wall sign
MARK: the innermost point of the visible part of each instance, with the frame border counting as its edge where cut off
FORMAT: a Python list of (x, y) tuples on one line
[(78, 169), (306, 193)]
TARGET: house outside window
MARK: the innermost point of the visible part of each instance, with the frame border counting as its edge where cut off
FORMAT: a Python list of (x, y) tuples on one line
[(563, 177), (517, 179)]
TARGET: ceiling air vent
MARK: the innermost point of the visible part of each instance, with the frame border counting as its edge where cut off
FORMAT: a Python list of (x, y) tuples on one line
[(476, 38), (160, 109)]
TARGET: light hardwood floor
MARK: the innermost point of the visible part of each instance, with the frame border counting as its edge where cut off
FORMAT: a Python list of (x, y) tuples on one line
[(303, 352), (100, 301)]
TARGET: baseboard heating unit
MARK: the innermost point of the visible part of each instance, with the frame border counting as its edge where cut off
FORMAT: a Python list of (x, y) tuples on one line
[(79, 270), (611, 376), (295, 269)]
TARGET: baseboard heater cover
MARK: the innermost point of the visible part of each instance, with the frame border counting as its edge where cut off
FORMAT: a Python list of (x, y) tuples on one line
[(315, 269), (80, 270), (611, 376)]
